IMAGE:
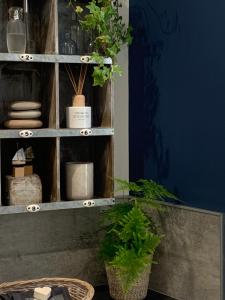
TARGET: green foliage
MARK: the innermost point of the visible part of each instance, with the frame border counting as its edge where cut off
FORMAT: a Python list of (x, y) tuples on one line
[(131, 236), (110, 34), (145, 192)]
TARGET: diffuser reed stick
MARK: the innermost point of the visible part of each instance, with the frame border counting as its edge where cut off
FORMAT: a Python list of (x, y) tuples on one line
[(78, 115), (78, 87)]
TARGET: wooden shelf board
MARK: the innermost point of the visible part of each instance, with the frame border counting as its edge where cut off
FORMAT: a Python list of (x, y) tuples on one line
[(47, 58), (61, 205), (48, 132)]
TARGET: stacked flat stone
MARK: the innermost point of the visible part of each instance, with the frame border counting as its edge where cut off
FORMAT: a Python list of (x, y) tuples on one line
[(24, 114)]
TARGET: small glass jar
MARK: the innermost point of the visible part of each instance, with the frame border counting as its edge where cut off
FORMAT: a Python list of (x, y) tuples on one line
[(16, 31), (68, 46), (77, 34)]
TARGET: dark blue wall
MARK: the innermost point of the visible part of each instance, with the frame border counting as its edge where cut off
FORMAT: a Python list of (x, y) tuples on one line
[(177, 97)]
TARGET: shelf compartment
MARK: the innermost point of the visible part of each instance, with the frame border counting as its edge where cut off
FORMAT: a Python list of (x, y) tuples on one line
[(21, 81), (43, 16), (45, 164), (99, 98), (92, 149), (6, 210)]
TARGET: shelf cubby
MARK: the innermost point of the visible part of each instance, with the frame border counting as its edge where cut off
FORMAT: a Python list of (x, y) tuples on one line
[(45, 164), (44, 22), (100, 99), (90, 149), (21, 81)]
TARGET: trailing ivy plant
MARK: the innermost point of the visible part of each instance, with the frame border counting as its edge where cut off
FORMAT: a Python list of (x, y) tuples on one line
[(131, 236), (111, 33)]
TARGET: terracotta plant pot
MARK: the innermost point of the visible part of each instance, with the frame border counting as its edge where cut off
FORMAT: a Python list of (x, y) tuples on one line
[(138, 291)]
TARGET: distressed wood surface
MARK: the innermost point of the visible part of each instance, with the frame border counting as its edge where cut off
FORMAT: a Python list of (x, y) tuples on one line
[(49, 58), (103, 106), (48, 132), (44, 79), (104, 171), (51, 244), (48, 33), (0, 173), (3, 22), (56, 206)]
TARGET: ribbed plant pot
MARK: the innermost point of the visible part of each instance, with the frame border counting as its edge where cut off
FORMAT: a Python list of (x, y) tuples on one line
[(138, 291)]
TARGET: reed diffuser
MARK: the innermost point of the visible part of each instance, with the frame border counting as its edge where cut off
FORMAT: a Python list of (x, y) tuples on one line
[(78, 115)]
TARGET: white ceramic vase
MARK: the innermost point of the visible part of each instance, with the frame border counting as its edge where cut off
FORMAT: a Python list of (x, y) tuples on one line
[(79, 180), (78, 117)]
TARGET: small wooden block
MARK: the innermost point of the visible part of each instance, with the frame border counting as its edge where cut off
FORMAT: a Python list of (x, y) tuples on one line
[(42, 293), (28, 170), (18, 171)]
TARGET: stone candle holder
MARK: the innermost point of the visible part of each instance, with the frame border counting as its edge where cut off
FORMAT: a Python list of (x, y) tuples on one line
[(79, 180)]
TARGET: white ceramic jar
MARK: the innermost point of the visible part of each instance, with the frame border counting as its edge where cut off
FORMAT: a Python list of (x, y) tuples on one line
[(78, 117), (79, 180)]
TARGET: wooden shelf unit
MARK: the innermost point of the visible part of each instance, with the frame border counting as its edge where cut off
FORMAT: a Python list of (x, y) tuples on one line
[(44, 79)]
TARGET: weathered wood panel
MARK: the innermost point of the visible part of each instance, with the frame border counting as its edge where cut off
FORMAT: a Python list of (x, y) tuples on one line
[(50, 244), (103, 106), (55, 206), (48, 27), (49, 58), (3, 21), (48, 132)]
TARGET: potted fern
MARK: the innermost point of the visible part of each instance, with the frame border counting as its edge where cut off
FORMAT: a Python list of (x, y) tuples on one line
[(102, 17), (130, 240)]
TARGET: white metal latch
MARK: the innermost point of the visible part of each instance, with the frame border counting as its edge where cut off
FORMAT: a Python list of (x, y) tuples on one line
[(89, 203), (26, 133), (33, 208), (85, 59), (86, 132), (26, 57)]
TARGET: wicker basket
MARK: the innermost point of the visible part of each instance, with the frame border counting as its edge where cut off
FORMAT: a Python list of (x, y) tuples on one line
[(138, 290), (78, 290)]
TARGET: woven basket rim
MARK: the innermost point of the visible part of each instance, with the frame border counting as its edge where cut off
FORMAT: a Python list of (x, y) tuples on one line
[(60, 281)]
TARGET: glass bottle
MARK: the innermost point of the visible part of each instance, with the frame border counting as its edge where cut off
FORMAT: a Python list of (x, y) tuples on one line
[(30, 42), (88, 42), (77, 34), (68, 46), (16, 31)]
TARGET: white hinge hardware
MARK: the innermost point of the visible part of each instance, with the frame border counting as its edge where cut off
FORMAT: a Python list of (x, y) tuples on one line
[(89, 203), (85, 59), (26, 133), (86, 132), (33, 208), (26, 57)]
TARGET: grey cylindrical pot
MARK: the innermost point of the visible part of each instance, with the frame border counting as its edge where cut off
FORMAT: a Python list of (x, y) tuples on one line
[(79, 180)]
